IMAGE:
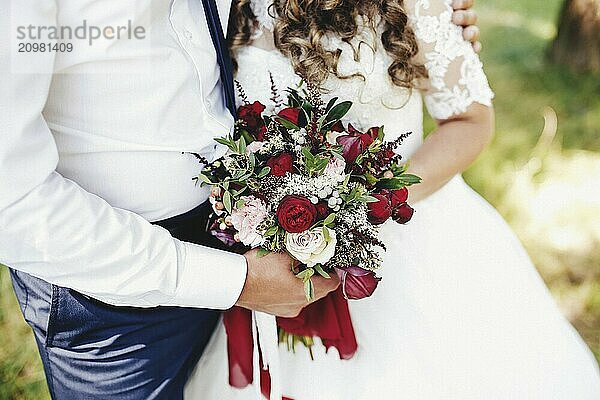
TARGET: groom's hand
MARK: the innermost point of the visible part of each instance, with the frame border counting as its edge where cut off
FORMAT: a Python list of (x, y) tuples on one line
[(271, 287), (467, 18)]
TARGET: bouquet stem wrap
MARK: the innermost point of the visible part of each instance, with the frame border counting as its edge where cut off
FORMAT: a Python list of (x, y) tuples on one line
[(253, 351)]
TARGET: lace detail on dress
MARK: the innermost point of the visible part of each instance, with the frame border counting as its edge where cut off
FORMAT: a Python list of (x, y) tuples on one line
[(456, 74), (265, 16)]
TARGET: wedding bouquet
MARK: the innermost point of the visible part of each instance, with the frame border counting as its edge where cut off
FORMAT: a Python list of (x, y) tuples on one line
[(300, 181)]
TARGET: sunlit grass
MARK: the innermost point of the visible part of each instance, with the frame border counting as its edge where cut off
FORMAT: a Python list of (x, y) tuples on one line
[(21, 374)]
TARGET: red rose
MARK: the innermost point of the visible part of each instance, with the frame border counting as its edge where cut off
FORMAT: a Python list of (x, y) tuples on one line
[(250, 114), (290, 114), (403, 213), (323, 210), (296, 214), (379, 211), (397, 196), (356, 142), (281, 164), (357, 283)]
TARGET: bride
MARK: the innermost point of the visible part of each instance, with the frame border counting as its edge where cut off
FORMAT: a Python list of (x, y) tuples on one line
[(461, 313)]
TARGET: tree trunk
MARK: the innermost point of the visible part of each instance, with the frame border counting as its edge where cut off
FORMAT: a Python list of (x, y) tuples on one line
[(577, 44)]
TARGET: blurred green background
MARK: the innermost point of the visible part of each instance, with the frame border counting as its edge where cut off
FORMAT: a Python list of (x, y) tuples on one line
[(542, 172)]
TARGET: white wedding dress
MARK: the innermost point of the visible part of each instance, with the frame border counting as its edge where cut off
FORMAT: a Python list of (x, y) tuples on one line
[(461, 312)]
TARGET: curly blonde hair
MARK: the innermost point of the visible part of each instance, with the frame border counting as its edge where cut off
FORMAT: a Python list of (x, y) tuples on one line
[(302, 24)]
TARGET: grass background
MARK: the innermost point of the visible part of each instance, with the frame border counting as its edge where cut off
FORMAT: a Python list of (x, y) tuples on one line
[(542, 172)]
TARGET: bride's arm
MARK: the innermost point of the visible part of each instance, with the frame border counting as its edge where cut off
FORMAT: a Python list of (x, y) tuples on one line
[(451, 148), (457, 96)]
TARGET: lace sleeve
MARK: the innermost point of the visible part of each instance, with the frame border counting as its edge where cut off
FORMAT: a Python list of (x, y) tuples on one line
[(456, 77)]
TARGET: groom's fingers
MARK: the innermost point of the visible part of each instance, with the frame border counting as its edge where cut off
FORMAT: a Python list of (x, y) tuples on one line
[(324, 286), (462, 4)]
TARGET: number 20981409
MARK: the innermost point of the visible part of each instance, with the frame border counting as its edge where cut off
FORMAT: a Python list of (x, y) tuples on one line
[(45, 47)]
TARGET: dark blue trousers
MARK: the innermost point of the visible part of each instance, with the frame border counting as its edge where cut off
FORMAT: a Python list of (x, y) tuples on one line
[(91, 350)]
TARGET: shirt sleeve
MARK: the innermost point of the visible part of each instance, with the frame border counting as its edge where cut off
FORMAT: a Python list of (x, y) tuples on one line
[(53, 229), (456, 76)]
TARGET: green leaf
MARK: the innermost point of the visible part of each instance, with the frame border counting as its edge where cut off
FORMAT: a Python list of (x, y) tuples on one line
[(305, 274), (242, 145), (337, 112), (410, 179), (309, 289), (204, 179), (371, 180), (391, 183), (321, 271), (287, 124), (330, 218), (252, 161), (240, 203), (330, 104), (369, 199), (247, 136), (308, 155), (381, 135), (227, 201), (227, 142), (326, 234), (262, 252), (264, 172), (272, 231)]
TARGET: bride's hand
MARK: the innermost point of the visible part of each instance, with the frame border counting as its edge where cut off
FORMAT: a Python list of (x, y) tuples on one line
[(467, 18)]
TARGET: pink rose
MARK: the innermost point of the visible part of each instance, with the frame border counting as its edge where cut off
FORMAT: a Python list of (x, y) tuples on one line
[(247, 219), (335, 169)]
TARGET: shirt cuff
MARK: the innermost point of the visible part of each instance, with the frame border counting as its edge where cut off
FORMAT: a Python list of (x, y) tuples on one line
[(209, 278)]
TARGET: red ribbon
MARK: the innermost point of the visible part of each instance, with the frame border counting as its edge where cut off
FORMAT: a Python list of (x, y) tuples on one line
[(328, 319)]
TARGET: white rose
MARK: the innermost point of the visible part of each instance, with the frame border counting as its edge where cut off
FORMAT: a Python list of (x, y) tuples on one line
[(247, 218), (311, 247)]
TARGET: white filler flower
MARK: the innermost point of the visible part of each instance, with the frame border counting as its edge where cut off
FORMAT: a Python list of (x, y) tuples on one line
[(313, 246)]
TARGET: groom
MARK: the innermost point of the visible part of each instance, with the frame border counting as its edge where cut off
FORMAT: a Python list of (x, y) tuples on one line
[(95, 142)]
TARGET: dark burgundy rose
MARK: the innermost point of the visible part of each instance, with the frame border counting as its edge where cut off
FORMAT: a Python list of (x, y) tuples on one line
[(381, 210), (388, 154), (296, 214), (290, 114), (403, 213), (323, 210), (250, 114), (356, 142), (357, 283), (338, 127), (281, 164), (397, 196), (373, 133)]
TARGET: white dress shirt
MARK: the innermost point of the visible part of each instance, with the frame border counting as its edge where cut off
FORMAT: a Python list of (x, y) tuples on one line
[(93, 145)]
